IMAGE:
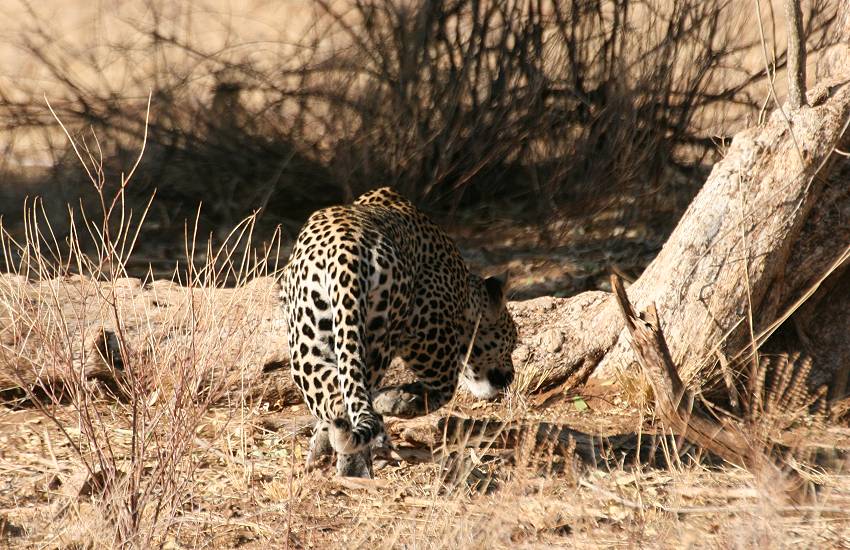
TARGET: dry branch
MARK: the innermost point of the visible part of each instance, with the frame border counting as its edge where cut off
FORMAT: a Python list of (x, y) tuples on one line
[(676, 406), (796, 55)]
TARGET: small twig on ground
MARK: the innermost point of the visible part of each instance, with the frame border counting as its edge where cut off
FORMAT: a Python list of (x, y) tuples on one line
[(719, 509)]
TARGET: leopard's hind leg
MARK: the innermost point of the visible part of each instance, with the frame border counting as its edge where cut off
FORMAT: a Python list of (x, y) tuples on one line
[(349, 465)]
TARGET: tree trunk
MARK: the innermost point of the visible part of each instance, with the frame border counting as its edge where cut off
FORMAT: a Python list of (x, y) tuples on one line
[(769, 222), (836, 60)]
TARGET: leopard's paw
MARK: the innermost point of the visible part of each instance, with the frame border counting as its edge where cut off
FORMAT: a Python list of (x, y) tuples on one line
[(320, 446), (406, 401)]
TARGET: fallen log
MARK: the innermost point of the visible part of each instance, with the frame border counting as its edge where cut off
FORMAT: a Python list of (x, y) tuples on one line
[(66, 331), (766, 227), (61, 331)]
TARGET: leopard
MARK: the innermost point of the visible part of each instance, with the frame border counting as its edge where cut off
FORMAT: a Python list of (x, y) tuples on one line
[(375, 281)]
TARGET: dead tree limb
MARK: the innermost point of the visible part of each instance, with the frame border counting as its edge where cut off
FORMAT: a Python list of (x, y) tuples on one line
[(766, 226), (676, 406), (796, 55), (744, 249)]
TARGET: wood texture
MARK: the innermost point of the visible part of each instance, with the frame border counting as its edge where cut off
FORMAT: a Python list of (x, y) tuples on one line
[(744, 246), (796, 55)]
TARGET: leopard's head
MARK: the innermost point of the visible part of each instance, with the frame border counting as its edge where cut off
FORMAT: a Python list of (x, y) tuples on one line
[(491, 338)]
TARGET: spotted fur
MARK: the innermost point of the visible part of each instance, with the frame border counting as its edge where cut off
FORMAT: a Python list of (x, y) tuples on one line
[(377, 280)]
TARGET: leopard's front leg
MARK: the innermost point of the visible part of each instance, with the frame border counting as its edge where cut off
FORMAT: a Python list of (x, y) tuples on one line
[(410, 400), (355, 464), (437, 378)]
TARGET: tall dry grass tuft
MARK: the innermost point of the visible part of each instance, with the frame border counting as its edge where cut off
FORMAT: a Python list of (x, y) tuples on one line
[(127, 384)]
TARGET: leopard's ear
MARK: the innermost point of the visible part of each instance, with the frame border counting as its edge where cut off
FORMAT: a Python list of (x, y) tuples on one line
[(496, 290)]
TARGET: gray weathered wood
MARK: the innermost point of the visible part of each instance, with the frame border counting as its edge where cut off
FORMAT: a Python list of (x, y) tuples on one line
[(796, 55)]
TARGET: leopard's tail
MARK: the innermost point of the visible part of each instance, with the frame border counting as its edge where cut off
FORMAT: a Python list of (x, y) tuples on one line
[(363, 424)]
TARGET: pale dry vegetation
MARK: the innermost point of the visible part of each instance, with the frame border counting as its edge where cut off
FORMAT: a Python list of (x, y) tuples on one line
[(138, 410), (561, 106)]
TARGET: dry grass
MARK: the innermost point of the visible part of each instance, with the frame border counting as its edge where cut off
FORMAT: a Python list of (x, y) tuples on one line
[(135, 457), (171, 458), (248, 489)]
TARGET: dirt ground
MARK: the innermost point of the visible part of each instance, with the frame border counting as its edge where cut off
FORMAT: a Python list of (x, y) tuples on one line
[(248, 487), (531, 470)]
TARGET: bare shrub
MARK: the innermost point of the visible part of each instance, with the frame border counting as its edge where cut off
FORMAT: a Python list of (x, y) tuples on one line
[(450, 101), (577, 100), (138, 387), (449, 94)]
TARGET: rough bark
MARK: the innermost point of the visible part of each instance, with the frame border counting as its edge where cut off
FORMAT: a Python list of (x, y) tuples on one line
[(743, 248), (836, 60)]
